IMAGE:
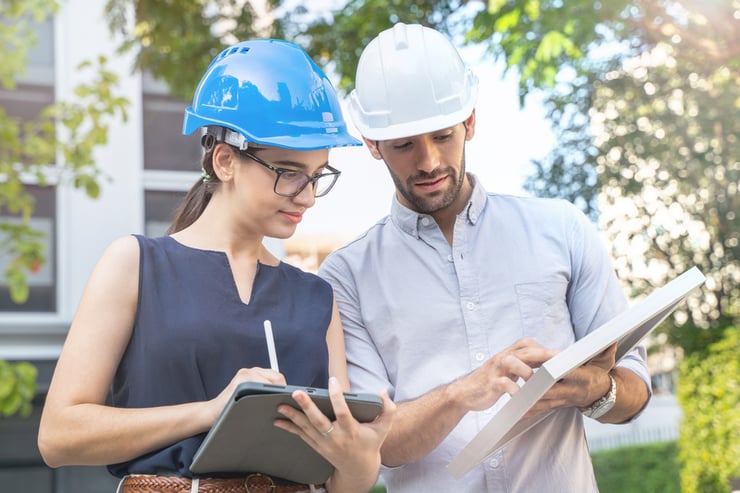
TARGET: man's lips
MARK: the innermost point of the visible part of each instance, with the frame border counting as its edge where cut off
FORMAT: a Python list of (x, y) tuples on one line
[(430, 185)]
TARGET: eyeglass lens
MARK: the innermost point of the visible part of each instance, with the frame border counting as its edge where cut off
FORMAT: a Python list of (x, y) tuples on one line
[(291, 183)]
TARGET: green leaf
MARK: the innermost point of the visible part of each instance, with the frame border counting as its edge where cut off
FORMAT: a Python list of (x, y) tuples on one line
[(11, 404), (17, 388), (507, 21), (495, 6), (532, 9)]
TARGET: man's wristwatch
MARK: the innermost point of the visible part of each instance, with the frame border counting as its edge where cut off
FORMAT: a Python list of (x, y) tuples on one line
[(602, 405)]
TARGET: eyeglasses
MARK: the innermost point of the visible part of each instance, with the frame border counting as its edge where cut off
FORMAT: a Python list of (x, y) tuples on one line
[(289, 183)]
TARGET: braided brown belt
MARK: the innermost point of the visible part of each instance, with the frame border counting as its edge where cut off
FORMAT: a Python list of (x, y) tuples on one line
[(254, 483)]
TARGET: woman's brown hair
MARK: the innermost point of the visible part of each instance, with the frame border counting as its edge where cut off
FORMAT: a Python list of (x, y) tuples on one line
[(196, 200)]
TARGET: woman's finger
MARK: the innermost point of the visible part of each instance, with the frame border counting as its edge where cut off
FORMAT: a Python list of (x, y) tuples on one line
[(338, 403)]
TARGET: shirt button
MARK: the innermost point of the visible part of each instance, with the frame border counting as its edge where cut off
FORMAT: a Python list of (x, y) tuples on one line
[(494, 463), (425, 221), (480, 356), (470, 305), (450, 258)]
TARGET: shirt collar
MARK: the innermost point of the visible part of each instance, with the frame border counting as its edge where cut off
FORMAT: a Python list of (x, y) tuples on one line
[(411, 221)]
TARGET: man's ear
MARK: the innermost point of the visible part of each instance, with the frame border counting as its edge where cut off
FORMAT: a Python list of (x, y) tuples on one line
[(372, 145), (224, 161), (470, 126)]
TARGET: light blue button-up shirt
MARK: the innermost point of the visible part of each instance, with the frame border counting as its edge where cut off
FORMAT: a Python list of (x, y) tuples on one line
[(418, 313)]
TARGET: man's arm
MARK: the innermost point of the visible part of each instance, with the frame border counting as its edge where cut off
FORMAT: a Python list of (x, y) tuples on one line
[(632, 396), (421, 424), (589, 383), (595, 295)]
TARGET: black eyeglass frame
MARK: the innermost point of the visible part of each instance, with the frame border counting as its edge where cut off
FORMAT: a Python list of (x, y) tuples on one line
[(309, 179)]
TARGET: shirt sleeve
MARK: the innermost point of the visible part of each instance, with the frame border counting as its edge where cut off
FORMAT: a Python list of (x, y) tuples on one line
[(365, 366), (595, 294)]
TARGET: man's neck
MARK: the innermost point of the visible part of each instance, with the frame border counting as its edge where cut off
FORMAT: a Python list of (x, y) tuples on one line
[(445, 218)]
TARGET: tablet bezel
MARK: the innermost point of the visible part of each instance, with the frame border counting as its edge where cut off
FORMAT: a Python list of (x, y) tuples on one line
[(244, 438)]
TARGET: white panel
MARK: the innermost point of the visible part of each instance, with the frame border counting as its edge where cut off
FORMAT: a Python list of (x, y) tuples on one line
[(87, 226)]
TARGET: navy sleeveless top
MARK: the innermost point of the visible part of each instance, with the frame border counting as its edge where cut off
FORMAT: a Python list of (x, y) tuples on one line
[(192, 333)]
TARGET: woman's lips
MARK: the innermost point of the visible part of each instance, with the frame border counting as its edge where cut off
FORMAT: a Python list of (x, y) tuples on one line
[(294, 217)]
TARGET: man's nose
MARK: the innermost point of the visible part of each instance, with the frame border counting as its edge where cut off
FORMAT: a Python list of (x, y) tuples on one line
[(428, 156)]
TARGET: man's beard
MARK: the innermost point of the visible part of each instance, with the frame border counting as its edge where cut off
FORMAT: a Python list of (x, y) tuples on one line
[(439, 200)]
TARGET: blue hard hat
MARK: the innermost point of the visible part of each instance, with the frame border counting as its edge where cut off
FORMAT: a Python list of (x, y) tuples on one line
[(272, 93)]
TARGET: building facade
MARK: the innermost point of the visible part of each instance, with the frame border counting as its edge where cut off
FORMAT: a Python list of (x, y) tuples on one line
[(147, 167)]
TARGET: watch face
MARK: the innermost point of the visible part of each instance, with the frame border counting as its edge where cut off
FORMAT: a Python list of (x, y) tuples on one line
[(604, 404), (604, 407)]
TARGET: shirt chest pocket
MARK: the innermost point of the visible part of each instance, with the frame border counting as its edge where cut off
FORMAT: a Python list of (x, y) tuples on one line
[(544, 314)]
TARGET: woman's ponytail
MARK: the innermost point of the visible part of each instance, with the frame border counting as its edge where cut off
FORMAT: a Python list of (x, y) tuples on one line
[(197, 198)]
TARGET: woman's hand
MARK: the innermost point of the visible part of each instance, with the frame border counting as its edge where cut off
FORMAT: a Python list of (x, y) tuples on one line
[(254, 374), (353, 448)]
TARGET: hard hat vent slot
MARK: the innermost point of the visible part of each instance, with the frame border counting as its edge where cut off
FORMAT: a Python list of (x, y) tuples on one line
[(231, 51)]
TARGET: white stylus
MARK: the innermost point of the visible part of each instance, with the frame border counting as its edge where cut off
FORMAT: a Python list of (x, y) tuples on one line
[(271, 346)]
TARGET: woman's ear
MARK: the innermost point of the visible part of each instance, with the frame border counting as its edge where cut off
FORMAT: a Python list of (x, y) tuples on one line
[(224, 161)]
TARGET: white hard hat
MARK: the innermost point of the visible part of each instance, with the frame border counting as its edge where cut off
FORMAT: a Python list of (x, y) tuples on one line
[(410, 80)]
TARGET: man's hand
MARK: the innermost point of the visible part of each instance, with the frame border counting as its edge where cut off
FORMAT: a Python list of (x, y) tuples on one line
[(581, 387), (421, 424), (481, 388)]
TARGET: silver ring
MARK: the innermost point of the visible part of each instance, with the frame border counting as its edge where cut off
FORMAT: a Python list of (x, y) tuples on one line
[(326, 433)]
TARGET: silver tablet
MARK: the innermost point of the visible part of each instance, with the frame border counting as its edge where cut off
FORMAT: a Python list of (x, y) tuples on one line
[(245, 440)]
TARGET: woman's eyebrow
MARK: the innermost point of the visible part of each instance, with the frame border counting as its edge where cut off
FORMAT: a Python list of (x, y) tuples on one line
[(295, 164)]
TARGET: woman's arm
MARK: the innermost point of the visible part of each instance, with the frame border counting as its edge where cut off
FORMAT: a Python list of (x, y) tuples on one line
[(77, 428)]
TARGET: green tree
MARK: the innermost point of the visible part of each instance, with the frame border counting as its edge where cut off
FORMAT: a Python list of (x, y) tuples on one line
[(709, 392), (65, 133), (176, 40), (630, 85), (666, 133)]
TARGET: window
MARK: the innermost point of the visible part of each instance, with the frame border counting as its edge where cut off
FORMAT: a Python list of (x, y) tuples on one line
[(42, 284), (171, 159), (34, 91), (160, 207), (165, 147)]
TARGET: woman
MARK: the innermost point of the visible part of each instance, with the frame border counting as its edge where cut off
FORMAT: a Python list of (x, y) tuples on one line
[(173, 324)]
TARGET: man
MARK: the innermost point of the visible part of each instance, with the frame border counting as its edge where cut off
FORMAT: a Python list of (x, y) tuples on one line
[(442, 301)]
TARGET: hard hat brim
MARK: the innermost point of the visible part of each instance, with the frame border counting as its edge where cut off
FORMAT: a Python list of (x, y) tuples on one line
[(311, 140)]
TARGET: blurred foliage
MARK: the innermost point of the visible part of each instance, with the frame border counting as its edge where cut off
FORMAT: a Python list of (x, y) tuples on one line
[(17, 388), (65, 133), (336, 38), (643, 96), (668, 169), (651, 468), (69, 130), (709, 393), (176, 40)]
